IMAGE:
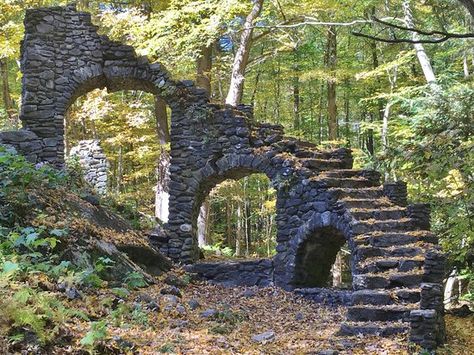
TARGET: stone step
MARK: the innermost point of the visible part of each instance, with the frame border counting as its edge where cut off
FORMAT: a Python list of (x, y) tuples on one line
[(385, 297), (387, 225), (384, 329), (343, 173), (346, 182), (394, 212), (411, 279), (382, 264), (374, 203), (386, 239), (369, 313), (362, 253), (358, 193), (322, 164)]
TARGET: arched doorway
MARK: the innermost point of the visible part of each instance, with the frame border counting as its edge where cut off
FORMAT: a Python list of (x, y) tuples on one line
[(323, 260), (241, 220), (132, 129)]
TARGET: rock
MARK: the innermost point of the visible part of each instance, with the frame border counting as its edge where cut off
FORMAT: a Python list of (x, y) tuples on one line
[(169, 300), (72, 293), (299, 316), (123, 343), (171, 290), (208, 313), (264, 337), (153, 306), (180, 309), (462, 311), (328, 352), (193, 304), (248, 293), (93, 200), (179, 323), (174, 280)]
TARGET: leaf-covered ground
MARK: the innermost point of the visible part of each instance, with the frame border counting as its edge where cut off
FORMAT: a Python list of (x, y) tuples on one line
[(209, 319)]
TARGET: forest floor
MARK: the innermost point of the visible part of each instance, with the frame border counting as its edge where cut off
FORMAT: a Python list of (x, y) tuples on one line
[(199, 318)]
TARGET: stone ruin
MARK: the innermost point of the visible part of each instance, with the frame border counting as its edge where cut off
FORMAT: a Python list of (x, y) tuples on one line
[(94, 163), (322, 203)]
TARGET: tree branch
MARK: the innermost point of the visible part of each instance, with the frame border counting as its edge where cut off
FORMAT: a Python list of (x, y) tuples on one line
[(445, 35)]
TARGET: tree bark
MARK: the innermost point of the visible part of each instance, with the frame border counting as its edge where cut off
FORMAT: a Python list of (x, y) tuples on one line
[(202, 224), (386, 112), (296, 92), (162, 187), (203, 69), (331, 58), (234, 96), (419, 48), (240, 230), (7, 99)]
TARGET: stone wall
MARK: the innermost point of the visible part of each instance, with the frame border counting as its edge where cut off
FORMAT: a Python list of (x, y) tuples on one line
[(24, 142), (238, 273), (93, 163)]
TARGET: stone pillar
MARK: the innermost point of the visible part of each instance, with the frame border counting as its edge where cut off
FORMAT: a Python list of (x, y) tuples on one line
[(420, 214), (396, 192), (93, 162)]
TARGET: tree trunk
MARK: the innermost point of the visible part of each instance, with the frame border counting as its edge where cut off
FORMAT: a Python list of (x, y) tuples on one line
[(202, 224), (419, 48), (331, 60), (228, 227), (240, 230), (7, 99), (234, 96), (296, 92), (370, 137), (465, 65), (347, 115), (162, 187), (337, 271), (386, 112), (320, 115), (203, 69)]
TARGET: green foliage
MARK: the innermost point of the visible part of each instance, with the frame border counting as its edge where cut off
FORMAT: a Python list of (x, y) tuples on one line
[(36, 311), (96, 334), (135, 280), (435, 155)]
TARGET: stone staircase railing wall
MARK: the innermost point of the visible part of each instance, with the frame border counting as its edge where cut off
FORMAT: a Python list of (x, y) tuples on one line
[(322, 202)]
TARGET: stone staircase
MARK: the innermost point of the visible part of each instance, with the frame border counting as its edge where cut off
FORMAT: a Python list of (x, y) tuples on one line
[(388, 255), (388, 246)]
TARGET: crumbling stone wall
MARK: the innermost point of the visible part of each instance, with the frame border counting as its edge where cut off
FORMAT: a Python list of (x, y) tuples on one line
[(24, 142), (93, 162), (321, 201)]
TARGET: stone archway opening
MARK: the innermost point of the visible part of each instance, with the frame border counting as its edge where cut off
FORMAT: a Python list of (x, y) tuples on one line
[(124, 128), (240, 220), (323, 260)]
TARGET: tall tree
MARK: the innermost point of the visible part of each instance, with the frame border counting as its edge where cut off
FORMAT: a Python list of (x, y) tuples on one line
[(419, 48), (331, 61), (162, 188), (236, 87), (6, 96)]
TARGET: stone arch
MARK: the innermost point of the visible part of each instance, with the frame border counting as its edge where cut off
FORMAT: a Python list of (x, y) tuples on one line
[(63, 57), (230, 166), (315, 246)]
